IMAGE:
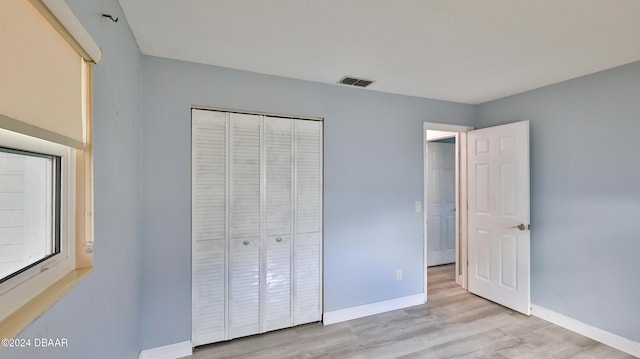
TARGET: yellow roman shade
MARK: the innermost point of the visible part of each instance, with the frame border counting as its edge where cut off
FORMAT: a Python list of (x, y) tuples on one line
[(44, 73), (46, 61)]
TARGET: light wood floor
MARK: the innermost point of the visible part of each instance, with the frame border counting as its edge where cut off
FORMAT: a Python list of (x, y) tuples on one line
[(453, 324)]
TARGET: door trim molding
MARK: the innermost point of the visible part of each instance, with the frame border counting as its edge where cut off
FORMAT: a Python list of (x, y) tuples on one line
[(342, 315), (613, 340), (461, 198), (229, 110)]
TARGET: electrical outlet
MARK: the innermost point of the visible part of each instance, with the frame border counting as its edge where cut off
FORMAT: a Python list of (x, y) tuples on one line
[(399, 274), (418, 206)]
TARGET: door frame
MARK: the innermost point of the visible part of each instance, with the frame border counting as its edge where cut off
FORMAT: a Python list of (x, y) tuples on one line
[(460, 195)]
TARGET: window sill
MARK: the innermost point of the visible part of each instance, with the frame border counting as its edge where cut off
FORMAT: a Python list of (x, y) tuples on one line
[(12, 325)]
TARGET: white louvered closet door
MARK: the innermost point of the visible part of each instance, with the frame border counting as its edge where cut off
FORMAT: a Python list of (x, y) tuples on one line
[(244, 257), (208, 216), (308, 221), (278, 219), (256, 224)]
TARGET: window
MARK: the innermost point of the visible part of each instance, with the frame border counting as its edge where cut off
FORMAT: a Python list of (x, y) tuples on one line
[(29, 210), (37, 212)]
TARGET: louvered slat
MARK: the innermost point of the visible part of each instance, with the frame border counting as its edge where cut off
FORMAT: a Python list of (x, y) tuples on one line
[(208, 226), (245, 176), (308, 176), (208, 292), (244, 285), (278, 283), (278, 171), (307, 284)]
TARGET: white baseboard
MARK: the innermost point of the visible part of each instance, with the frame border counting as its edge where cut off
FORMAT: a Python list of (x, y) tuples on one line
[(360, 311), (171, 351), (613, 340)]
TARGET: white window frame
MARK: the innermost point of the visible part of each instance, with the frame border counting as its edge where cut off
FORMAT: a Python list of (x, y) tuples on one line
[(20, 289)]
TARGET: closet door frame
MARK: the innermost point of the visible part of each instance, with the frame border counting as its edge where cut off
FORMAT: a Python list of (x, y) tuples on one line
[(263, 194)]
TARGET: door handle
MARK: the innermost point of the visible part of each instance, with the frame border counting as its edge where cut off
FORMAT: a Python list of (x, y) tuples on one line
[(278, 239), (521, 227), (246, 243)]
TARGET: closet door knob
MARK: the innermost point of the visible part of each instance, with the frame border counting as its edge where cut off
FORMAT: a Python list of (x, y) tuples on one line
[(246, 243), (278, 239)]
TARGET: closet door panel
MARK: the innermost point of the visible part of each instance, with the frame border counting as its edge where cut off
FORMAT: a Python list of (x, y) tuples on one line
[(209, 297), (308, 144), (244, 287), (278, 283), (308, 224), (307, 256), (244, 213), (278, 221), (208, 218), (209, 175), (277, 137), (245, 176)]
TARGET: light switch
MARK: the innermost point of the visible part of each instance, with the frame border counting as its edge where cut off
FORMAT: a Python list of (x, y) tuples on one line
[(418, 206), (399, 274)]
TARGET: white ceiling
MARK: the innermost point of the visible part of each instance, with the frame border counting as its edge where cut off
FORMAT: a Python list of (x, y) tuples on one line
[(466, 51)]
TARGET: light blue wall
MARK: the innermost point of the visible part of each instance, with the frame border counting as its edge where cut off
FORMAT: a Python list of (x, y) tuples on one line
[(100, 316), (585, 195), (373, 176)]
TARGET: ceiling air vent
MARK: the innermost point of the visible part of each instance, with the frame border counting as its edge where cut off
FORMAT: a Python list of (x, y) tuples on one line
[(352, 81)]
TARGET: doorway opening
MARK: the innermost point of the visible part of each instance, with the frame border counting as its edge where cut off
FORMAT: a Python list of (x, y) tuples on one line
[(444, 216), (441, 201), (492, 239)]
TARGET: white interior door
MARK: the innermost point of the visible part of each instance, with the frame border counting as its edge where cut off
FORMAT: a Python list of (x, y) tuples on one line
[(498, 187), (441, 205)]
